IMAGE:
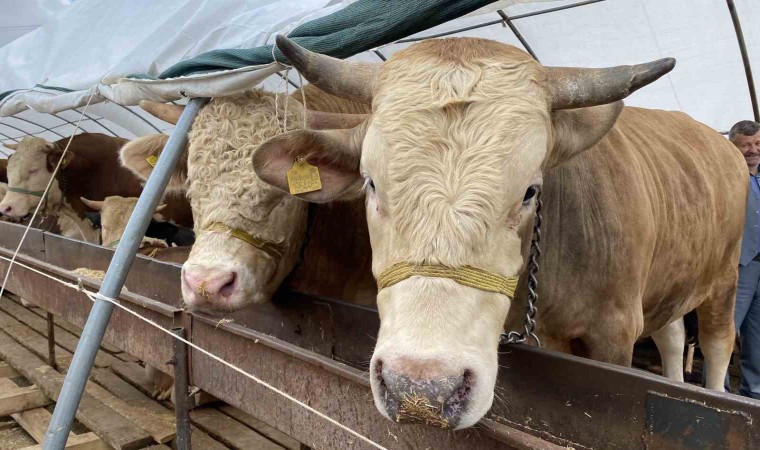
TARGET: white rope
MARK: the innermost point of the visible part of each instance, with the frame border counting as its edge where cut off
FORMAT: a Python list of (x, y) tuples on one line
[(93, 296), (45, 193)]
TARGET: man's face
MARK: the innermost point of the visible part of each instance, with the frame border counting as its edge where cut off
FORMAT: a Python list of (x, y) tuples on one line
[(750, 148)]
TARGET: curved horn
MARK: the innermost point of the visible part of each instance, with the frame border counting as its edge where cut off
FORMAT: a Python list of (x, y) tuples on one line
[(12, 146), (351, 80), (167, 113), (577, 88)]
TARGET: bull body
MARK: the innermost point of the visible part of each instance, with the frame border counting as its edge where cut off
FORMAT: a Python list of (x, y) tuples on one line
[(638, 231)]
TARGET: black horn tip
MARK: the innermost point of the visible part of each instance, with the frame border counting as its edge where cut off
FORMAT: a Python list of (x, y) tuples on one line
[(652, 71), (296, 54)]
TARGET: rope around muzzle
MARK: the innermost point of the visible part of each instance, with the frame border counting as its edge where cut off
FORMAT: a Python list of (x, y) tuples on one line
[(465, 275), (39, 194), (273, 249)]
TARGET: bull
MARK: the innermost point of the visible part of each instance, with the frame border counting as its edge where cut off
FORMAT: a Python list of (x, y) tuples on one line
[(643, 214)]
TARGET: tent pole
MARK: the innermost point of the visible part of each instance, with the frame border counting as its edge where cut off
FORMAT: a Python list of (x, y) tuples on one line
[(745, 58), (94, 329)]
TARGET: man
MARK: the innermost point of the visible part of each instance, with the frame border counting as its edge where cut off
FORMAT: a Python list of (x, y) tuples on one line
[(745, 135)]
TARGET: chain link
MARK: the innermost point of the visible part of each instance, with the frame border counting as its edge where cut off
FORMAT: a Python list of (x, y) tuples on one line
[(514, 337)]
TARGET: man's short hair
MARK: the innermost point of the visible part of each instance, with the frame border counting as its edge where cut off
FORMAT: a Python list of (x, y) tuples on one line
[(745, 128)]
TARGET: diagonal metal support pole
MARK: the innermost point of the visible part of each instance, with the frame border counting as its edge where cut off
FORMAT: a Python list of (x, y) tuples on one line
[(94, 329)]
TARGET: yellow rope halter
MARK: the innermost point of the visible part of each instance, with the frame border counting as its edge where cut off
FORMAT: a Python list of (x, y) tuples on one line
[(465, 275), (273, 249)]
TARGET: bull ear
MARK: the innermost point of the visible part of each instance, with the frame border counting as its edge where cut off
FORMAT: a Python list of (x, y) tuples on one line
[(92, 204), (54, 152), (139, 157), (336, 153), (576, 130)]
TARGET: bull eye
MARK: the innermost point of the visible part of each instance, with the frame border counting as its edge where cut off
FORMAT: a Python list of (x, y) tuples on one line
[(530, 194), (368, 183)]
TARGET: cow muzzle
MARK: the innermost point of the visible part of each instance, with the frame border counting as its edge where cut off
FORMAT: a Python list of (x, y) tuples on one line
[(428, 391)]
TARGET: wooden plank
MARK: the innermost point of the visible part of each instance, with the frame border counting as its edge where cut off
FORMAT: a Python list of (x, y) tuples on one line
[(35, 422), (261, 428), (135, 375), (160, 427), (116, 430), (60, 323), (124, 390), (32, 341), (126, 357), (21, 399), (86, 441), (63, 338), (7, 371), (229, 431)]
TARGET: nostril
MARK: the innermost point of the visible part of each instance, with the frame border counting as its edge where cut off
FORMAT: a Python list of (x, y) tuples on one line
[(379, 373), (228, 287), (462, 393)]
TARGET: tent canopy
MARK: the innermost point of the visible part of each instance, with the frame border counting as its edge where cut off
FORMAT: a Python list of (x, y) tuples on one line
[(90, 45)]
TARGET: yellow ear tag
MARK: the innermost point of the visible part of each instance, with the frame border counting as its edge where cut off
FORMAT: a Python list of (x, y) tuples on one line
[(152, 160), (303, 177)]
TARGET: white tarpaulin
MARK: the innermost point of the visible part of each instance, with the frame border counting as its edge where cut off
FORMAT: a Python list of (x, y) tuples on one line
[(92, 44)]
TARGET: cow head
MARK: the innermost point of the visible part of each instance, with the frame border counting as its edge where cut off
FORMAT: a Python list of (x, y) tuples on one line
[(450, 162), (115, 212), (29, 171), (248, 234)]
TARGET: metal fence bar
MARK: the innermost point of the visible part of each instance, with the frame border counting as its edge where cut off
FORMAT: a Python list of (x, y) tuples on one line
[(494, 22), (181, 375), (516, 32), (745, 58), (97, 321)]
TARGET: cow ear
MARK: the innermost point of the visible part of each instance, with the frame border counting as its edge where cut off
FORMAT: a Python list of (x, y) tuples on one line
[(54, 152), (576, 130), (335, 153), (140, 156), (92, 204)]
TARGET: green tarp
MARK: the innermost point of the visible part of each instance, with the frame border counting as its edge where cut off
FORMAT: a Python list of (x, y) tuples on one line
[(358, 27)]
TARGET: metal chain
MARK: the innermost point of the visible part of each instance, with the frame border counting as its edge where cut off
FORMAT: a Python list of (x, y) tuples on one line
[(513, 337)]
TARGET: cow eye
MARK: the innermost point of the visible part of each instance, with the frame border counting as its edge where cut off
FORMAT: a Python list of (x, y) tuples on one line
[(33, 171), (530, 194), (369, 183)]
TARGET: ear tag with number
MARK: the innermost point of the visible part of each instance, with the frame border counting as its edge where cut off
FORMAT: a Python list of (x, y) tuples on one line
[(152, 160), (303, 177)]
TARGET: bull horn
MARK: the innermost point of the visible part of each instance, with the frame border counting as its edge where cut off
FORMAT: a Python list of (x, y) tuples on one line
[(167, 113), (12, 146), (578, 88), (352, 80)]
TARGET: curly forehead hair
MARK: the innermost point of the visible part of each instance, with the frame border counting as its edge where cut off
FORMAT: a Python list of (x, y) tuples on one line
[(222, 184), (744, 128)]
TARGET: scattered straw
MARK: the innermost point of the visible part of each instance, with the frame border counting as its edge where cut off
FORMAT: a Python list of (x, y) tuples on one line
[(202, 289), (416, 408), (223, 321), (90, 273)]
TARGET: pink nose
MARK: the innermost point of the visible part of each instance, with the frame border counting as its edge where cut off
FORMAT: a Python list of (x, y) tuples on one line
[(207, 287), (6, 210)]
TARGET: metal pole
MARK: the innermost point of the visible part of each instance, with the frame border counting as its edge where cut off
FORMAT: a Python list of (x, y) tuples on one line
[(180, 391), (516, 32), (51, 341), (745, 58), (76, 377)]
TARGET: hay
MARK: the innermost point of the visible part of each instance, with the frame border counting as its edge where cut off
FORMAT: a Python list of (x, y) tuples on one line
[(202, 289), (90, 273), (416, 408)]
